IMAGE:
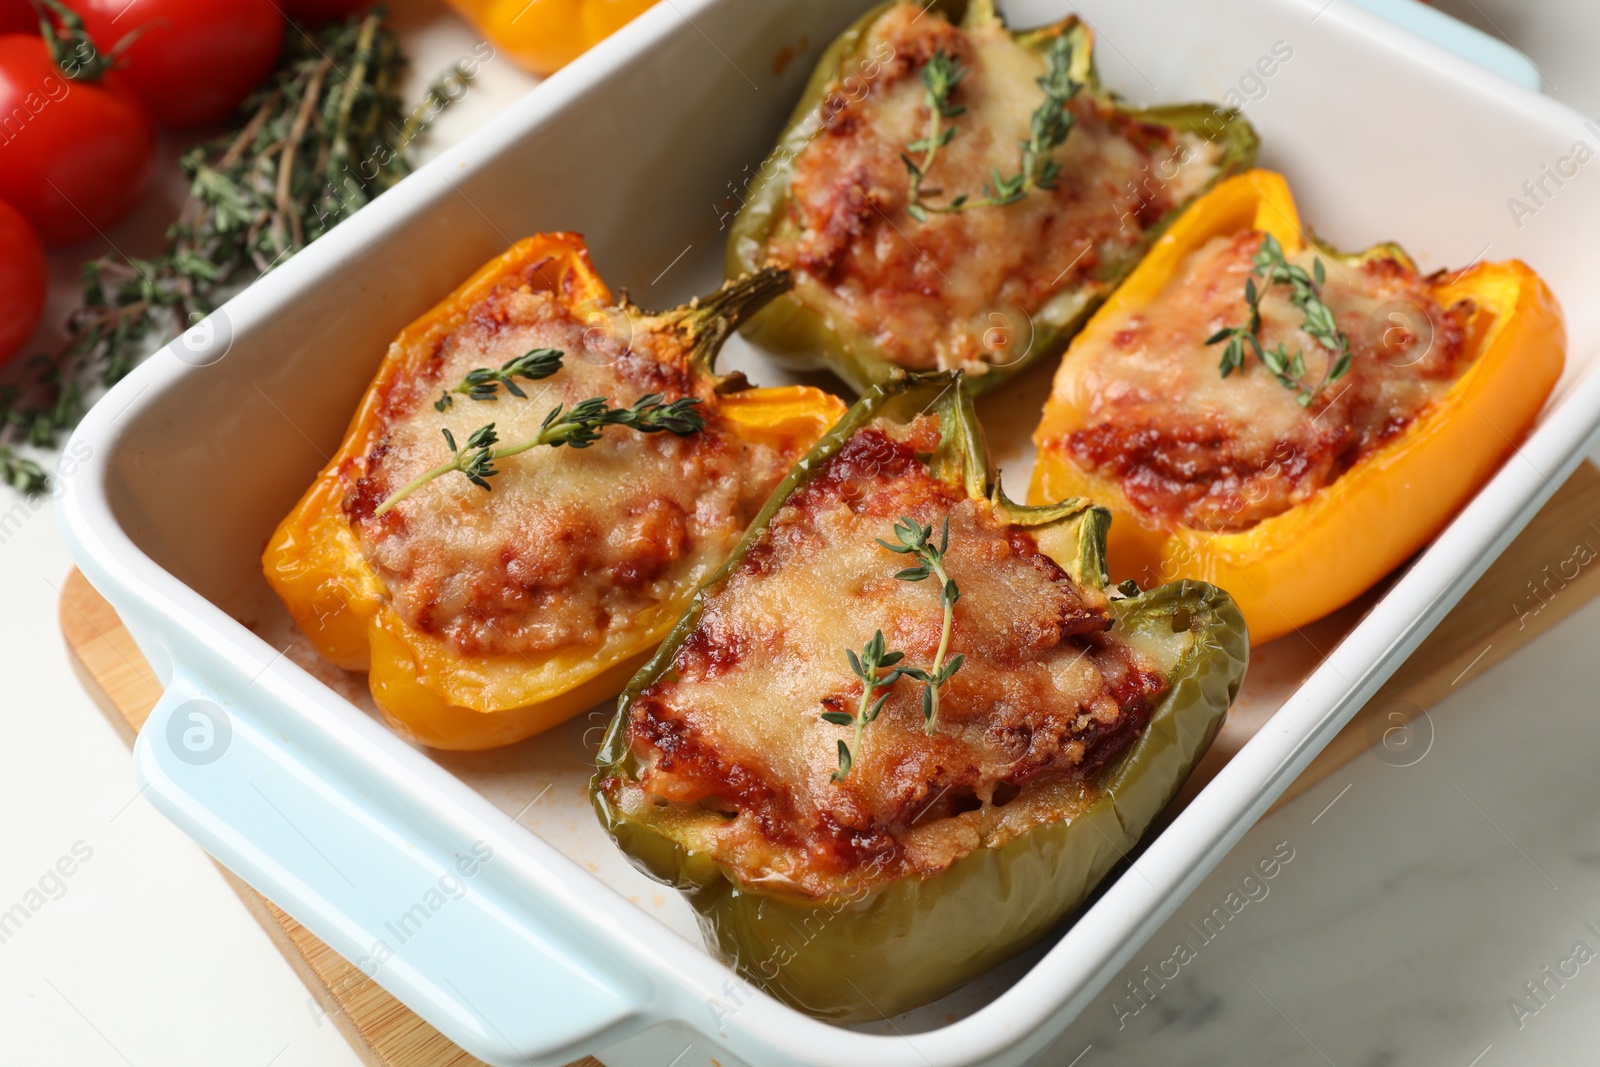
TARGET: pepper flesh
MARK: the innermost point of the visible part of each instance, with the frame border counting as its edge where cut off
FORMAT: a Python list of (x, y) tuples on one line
[(803, 337), (1295, 567), (545, 35), (425, 688), (907, 940)]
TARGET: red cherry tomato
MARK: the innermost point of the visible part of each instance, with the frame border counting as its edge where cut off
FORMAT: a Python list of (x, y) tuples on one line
[(316, 12), (23, 276), (18, 16), (74, 155), (191, 61)]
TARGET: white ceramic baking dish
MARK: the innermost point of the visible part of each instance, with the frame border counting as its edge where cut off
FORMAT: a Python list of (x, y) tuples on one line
[(534, 948)]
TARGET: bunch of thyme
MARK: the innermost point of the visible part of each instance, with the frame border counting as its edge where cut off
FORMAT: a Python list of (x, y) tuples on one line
[(320, 138), (1305, 295), (1049, 128)]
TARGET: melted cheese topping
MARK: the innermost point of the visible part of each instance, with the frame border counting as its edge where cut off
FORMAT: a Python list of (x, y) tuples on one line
[(732, 741), (1192, 447), (569, 544), (963, 290)]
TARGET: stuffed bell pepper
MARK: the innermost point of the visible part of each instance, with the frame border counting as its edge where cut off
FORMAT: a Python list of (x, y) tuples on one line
[(954, 195), (531, 490), (906, 728), (1285, 420)]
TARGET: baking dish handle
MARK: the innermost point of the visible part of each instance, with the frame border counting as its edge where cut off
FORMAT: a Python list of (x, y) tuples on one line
[(499, 974)]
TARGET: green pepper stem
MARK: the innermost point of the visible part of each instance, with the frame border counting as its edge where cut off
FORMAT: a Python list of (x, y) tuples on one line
[(708, 321)]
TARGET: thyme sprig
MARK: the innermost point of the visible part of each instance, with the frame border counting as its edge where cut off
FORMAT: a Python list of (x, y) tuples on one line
[(483, 383), (940, 75), (1305, 294), (873, 659), (917, 540), (319, 139), (1049, 128), (577, 427)]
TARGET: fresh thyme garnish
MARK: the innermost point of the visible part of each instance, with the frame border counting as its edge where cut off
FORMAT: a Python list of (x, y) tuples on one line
[(577, 427), (484, 383), (321, 137), (916, 539), (1049, 128), (873, 658), (940, 75), (1273, 268)]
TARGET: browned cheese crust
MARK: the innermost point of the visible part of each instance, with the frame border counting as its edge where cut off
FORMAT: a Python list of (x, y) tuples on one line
[(1190, 447), (955, 291), (1047, 693), (569, 544)]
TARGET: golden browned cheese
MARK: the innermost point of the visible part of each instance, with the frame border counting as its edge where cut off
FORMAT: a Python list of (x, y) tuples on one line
[(732, 739), (956, 290), (1217, 453), (569, 543)]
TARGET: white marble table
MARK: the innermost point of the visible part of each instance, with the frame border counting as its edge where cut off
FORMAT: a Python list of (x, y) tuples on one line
[(1418, 904)]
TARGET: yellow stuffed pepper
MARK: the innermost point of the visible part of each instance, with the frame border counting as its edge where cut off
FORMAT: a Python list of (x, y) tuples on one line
[(546, 35), (1285, 421), (532, 488)]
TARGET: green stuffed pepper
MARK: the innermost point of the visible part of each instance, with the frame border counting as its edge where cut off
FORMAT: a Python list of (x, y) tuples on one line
[(907, 728), (951, 195)]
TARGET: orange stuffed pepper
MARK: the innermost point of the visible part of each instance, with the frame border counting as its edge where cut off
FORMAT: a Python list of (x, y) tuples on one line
[(1285, 421), (529, 493), (545, 35)]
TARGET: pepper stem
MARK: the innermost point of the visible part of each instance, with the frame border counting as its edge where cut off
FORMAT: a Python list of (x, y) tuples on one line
[(708, 321)]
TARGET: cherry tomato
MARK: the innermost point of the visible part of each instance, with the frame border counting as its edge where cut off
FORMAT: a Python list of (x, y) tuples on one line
[(191, 61), (316, 12), (23, 275), (74, 155), (18, 16)]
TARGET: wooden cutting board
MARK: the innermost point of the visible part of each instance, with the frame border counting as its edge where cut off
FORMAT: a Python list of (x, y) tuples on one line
[(1541, 579)]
